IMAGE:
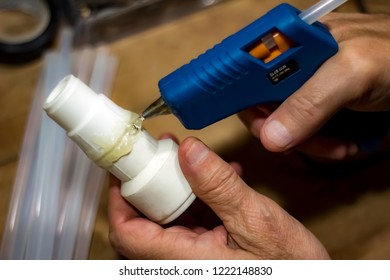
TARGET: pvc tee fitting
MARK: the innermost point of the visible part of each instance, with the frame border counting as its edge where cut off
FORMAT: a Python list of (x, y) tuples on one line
[(151, 177)]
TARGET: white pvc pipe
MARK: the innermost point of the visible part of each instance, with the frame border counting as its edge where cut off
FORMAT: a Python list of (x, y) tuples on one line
[(149, 169)]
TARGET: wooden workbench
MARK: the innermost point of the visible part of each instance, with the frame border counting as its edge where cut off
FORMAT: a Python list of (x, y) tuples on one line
[(348, 213)]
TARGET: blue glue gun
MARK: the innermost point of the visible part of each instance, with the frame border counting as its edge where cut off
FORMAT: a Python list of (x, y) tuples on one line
[(264, 62)]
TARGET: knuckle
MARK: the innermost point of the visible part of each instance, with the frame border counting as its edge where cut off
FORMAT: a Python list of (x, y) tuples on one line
[(360, 67), (220, 182), (264, 217), (303, 107)]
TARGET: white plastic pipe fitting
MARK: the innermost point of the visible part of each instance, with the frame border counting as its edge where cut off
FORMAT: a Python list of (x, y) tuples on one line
[(151, 177)]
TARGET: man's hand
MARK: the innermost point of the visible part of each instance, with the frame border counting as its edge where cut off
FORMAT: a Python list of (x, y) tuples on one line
[(233, 222), (356, 78)]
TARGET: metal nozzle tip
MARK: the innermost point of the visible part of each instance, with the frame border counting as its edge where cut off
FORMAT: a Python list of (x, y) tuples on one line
[(157, 108)]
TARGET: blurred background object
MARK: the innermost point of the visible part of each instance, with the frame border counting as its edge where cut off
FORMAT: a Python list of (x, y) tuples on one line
[(27, 28), (101, 20)]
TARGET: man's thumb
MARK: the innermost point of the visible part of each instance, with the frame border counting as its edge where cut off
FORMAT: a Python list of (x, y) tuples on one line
[(213, 180), (307, 110)]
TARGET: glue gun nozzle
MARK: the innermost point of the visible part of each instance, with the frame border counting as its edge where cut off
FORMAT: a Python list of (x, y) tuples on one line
[(157, 108)]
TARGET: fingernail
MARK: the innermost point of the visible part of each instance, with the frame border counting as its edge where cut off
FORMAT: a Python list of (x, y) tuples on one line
[(196, 153), (278, 134)]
